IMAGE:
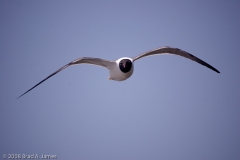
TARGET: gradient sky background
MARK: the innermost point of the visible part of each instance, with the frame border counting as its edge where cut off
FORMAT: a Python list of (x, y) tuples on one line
[(171, 108)]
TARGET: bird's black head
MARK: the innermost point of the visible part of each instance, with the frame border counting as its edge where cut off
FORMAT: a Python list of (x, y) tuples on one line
[(125, 65)]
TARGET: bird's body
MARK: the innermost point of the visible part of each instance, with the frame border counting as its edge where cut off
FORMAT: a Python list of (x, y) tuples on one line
[(115, 72), (122, 68)]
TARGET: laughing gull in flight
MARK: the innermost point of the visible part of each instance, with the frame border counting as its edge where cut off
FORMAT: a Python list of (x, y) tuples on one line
[(122, 68)]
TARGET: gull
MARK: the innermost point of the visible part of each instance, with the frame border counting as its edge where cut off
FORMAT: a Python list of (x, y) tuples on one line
[(122, 68)]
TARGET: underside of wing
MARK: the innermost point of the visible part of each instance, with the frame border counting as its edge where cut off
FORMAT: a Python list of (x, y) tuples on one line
[(88, 60), (95, 61), (175, 51)]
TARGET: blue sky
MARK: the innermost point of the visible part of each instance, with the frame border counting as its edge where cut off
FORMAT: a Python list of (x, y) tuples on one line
[(170, 108)]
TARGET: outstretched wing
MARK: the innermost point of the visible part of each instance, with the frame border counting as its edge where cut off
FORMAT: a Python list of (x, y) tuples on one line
[(95, 61), (175, 51)]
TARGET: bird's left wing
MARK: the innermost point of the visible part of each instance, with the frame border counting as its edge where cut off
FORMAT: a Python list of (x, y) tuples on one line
[(88, 60), (175, 51)]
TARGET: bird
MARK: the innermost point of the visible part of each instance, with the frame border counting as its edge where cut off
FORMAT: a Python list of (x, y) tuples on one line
[(122, 68)]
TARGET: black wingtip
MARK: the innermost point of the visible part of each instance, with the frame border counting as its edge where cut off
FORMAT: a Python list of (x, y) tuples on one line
[(215, 70), (205, 64), (18, 97), (22, 94)]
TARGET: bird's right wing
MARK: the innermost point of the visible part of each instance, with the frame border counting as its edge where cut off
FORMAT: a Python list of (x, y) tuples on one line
[(88, 60)]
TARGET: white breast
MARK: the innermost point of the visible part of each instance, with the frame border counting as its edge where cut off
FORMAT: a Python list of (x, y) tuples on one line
[(116, 74)]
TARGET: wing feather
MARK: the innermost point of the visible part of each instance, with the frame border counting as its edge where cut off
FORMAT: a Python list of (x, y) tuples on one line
[(88, 60), (175, 51)]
